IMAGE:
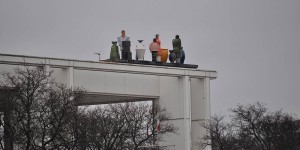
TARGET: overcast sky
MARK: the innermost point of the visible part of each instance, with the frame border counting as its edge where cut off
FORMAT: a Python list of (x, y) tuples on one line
[(253, 44)]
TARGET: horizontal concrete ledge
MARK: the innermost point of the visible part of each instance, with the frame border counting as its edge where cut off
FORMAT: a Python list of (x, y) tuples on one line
[(177, 119), (106, 66), (156, 146), (197, 120), (92, 98), (158, 63)]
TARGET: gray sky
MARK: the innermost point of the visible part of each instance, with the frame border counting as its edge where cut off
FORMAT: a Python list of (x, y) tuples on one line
[(254, 45)]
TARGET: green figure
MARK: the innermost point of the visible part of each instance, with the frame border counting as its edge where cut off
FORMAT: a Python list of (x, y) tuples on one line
[(177, 48), (114, 52)]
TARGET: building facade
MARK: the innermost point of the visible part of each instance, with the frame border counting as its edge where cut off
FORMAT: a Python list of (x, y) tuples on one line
[(185, 92)]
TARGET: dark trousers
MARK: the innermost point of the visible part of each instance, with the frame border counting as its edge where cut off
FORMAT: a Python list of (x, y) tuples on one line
[(154, 55), (126, 55)]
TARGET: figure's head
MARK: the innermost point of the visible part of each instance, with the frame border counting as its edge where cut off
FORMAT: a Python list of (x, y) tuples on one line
[(123, 32), (154, 39), (177, 37), (157, 36)]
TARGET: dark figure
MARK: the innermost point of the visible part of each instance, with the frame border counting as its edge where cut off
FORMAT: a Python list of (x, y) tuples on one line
[(177, 48)]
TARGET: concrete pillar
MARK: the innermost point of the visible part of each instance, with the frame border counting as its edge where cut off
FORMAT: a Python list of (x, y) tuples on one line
[(47, 69), (207, 102), (5, 107), (8, 137), (207, 98), (70, 77), (47, 72), (187, 112), (200, 93)]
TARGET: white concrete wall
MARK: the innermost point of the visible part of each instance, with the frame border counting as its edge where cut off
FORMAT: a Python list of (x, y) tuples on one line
[(4, 68), (120, 83), (60, 75)]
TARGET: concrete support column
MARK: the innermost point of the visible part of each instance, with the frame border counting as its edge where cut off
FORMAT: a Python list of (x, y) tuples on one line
[(47, 69), (6, 108), (207, 103), (71, 77), (207, 99), (8, 137), (187, 112)]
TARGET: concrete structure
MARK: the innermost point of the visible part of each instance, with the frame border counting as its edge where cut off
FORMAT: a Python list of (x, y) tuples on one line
[(184, 92)]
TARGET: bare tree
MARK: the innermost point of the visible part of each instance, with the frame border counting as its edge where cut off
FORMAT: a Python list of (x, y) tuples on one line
[(105, 128), (253, 127), (30, 86), (42, 114), (141, 120), (221, 135), (249, 120), (125, 126), (56, 113), (268, 130), (283, 130), (40, 108)]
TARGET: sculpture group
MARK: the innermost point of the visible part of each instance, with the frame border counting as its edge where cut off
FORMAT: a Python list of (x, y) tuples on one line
[(159, 54)]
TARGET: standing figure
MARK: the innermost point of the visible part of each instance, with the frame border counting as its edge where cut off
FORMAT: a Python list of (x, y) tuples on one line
[(177, 48), (159, 52), (122, 38), (153, 47), (124, 43)]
